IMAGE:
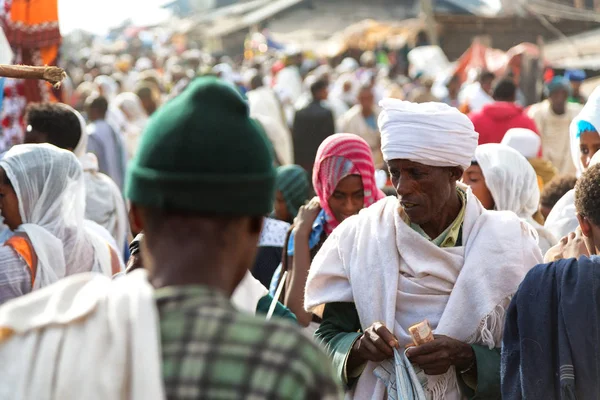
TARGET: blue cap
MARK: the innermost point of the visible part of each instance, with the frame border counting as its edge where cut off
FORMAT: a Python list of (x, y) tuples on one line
[(575, 75), (557, 83)]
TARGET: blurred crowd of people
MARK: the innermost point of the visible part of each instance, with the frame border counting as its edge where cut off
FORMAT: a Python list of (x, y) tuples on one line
[(240, 222)]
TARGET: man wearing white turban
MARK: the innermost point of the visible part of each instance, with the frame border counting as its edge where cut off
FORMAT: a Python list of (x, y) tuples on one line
[(433, 254)]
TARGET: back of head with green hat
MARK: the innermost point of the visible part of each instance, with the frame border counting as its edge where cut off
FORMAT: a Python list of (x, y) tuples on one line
[(293, 187), (202, 153)]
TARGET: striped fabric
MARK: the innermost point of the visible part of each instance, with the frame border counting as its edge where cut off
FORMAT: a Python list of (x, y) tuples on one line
[(339, 156)]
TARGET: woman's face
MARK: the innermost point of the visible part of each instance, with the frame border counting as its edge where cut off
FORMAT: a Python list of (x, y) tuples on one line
[(9, 203), (475, 179), (589, 144), (281, 211), (348, 198)]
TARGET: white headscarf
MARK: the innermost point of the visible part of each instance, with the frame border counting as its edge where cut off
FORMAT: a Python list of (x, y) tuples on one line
[(131, 105), (430, 133), (48, 182), (523, 140), (512, 181), (108, 86), (590, 113)]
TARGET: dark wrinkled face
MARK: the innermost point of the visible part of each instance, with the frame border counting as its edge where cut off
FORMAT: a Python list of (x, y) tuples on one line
[(423, 191), (348, 198)]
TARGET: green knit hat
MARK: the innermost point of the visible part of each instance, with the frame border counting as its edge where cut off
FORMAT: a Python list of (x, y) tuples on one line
[(292, 182), (201, 152)]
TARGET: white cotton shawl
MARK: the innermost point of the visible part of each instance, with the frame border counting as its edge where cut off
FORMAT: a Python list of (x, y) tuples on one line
[(104, 202), (86, 337), (248, 293), (512, 181), (48, 182), (279, 136), (430, 133), (361, 258), (562, 220)]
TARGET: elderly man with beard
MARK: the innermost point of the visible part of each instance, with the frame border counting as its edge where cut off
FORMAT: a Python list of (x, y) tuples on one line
[(432, 254)]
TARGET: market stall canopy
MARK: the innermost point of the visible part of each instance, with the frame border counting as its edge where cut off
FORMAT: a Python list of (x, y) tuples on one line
[(480, 57), (369, 34), (575, 52)]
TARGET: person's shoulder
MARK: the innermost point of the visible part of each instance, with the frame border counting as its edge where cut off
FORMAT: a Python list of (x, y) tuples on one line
[(298, 353), (375, 212)]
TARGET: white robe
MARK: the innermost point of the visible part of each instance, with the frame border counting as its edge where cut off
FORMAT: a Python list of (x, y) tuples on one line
[(86, 337), (354, 122), (463, 291)]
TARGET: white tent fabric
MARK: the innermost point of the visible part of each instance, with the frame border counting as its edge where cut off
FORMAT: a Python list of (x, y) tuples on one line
[(513, 184), (48, 182)]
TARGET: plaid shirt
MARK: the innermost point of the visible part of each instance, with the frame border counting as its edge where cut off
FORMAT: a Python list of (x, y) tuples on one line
[(211, 351)]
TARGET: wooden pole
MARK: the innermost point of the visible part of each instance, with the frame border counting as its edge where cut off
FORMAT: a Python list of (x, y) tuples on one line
[(54, 75), (427, 10)]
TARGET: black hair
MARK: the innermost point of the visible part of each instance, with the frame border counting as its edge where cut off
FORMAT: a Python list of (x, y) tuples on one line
[(587, 195), (486, 76), (505, 90), (98, 103), (318, 86), (556, 189), (58, 123), (256, 81), (144, 91), (198, 225)]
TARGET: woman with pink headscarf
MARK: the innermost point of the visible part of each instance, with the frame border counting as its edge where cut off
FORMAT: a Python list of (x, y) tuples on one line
[(344, 180)]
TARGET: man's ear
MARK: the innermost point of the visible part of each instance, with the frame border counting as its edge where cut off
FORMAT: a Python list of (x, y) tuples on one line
[(456, 173), (585, 225), (136, 219)]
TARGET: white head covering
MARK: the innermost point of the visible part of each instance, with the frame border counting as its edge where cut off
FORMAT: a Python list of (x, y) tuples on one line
[(225, 71), (430, 133), (108, 86), (136, 117), (562, 220), (590, 113), (132, 106), (525, 141), (510, 179), (48, 182)]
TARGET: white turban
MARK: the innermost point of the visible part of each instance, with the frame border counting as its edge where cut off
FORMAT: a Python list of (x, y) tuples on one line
[(430, 133), (523, 140)]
